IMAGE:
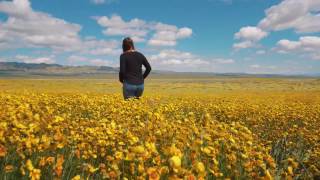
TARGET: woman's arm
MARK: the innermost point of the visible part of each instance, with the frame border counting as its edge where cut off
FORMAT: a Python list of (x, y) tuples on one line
[(147, 66), (122, 69)]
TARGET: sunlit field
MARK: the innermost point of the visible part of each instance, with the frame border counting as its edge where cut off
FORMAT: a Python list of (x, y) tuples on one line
[(184, 127)]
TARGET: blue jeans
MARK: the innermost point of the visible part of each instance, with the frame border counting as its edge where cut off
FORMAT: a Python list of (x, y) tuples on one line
[(132, 91)]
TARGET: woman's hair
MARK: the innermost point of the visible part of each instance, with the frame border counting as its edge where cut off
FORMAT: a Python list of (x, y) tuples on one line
[(127, 44)]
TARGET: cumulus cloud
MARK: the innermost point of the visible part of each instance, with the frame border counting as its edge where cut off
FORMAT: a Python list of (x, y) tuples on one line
[(28, 28), (29, 59), (315, 56), (76, 59), (2, 59), (249, 36), (100, 47), (174, 57), (102, 62), (223, 61), (250, 33), (138, 39), (115, 25), (260, 52), (17, 8), (36, 29), (255, 66), (301, 15), (309, 45), (185, 61), (263, 69), (99, 2), (286, 45), (105, 51), (167, 35), (243, 45), (163, 34)]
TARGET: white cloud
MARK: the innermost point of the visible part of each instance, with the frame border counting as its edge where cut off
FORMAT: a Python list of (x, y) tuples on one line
[(94, 46), (264, 69), (28, 28), (16, 8), (168, 36), (167, 54), (185, 61), (184, 32), (138, 39), (309, 45), (315, 56), (301, 15), (2, 59), (290, 67), (249, 36), (160, 42), (25, 27), (250, 33), (76, 59), (100, 47), (260, 52), (286, 45), (115, 25), (99, 2), (28, 59), (255, 66), (102, 62), (105, 51), (243, 45), (163, 34), (223, 61)]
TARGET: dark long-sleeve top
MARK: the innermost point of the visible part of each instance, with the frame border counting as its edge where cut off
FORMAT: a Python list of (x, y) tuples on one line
[(131, 68)]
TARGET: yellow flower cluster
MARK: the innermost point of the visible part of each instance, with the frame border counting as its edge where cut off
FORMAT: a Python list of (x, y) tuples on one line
[(80, 136)]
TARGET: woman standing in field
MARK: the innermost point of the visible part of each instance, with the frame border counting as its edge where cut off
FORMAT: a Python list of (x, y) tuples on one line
[(130, 74)]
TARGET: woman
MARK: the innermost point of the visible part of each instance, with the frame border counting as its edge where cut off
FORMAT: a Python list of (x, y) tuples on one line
[(130, 74)]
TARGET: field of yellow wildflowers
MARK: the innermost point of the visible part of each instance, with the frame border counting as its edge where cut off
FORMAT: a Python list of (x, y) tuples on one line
[(203, 128)]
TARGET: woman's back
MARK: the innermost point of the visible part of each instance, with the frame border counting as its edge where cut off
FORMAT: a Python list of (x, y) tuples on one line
[(131, 67)]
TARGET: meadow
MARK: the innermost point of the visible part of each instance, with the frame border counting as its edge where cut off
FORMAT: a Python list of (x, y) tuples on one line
[(185, 127)]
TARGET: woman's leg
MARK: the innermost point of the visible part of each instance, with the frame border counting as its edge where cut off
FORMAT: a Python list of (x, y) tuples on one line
[(128, 90), (139, 90)]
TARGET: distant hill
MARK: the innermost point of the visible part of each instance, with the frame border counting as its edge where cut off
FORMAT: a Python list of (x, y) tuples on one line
[(9, 69), (17, 68)]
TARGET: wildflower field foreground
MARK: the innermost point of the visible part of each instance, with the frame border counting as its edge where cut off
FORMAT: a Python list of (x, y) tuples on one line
[(181, 129)]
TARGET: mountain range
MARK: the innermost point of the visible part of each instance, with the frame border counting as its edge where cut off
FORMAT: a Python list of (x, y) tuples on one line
[(18, 68), (43, 69)]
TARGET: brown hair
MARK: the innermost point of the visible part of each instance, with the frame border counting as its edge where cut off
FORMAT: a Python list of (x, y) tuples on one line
[(127, 44)]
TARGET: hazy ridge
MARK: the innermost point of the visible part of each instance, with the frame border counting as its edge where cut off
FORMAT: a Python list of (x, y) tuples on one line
[(8, 69)]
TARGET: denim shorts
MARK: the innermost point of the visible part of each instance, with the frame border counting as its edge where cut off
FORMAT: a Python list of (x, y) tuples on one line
[(132, 91)]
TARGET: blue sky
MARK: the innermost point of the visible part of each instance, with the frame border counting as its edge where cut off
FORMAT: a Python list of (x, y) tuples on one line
[(252, 36)]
